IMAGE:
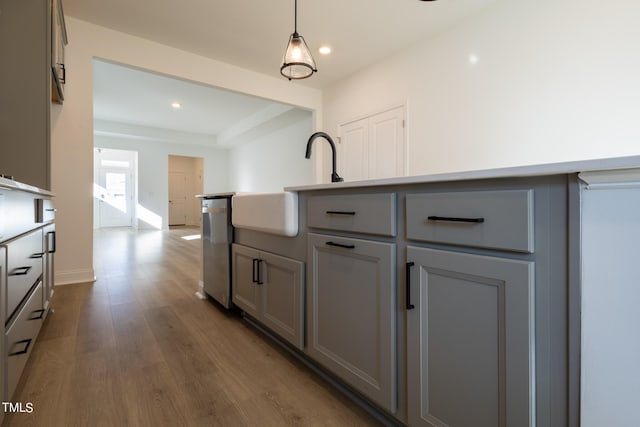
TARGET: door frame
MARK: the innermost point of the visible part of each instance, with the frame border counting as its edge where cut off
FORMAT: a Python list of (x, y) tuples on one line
[(115, 155)]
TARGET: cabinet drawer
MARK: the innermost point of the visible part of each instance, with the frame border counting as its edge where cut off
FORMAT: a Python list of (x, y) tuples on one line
[(360, 213), (24, 267), (21, 337), (487, 219)]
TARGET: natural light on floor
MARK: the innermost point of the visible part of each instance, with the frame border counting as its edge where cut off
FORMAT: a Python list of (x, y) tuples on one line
[(191, 237)]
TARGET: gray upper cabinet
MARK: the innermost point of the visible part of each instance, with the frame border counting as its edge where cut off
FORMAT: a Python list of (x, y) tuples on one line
[(269, 288), (58, 43), (351, 325), (470, 340), (25, 49)]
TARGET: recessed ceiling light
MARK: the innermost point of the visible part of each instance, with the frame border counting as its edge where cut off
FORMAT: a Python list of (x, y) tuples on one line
[(325, 50), (176, 105), (473, 59)]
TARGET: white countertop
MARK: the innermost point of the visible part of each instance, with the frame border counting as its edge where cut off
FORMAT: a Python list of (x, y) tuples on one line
[(509, 172), (15, 185)]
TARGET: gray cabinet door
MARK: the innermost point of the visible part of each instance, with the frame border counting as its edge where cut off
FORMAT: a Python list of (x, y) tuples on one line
[(3, 296), (282, 297), (352, 313), (269, 288), (470, 339), (244, 289)]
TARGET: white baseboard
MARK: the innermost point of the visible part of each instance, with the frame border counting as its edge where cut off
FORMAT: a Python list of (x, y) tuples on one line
[(74, 276)]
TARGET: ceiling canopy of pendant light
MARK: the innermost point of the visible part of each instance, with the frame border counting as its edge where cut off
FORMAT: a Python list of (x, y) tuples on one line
[(297, 62)]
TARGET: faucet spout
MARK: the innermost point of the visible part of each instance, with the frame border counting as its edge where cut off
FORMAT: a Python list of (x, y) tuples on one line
[(334, 175)]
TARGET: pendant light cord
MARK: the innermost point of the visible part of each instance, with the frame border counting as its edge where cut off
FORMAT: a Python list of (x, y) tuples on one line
[(295, 16)]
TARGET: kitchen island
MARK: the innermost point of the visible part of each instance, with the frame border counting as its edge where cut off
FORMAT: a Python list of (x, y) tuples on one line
[(472, 298)]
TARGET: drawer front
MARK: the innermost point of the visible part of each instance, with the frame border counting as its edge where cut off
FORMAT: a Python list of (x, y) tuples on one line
[(24, 267), (21, 337), (360, 213), (45, 210), (485, 219)]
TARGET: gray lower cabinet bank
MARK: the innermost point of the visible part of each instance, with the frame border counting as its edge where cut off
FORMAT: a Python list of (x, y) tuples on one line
[(27, 244), (269, 288), (449, 302)]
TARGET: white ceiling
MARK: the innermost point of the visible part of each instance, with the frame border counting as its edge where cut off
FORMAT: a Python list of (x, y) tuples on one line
[(251, 34)]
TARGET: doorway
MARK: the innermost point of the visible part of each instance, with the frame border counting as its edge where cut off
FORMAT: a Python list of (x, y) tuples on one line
[(185, 182), (115, 182)]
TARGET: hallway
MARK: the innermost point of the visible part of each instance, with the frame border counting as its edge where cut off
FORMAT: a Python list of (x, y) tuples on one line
[(137, 348)]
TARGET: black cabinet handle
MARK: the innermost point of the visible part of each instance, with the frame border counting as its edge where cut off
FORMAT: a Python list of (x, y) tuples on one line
[(39, 314), (408, 284), (26, 344), (455, 219), (340, 245), (259, 277), (37, 255), (253, 270), (53, 240), (20, 271), (340, 212), (255, 275)]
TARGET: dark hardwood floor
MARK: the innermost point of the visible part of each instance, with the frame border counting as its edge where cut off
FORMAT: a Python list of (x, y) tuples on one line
[(137, 348)]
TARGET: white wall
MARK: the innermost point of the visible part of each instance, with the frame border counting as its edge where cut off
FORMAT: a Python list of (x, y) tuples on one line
[(555, 81), (153, 171), (273, 161), (72, 123)]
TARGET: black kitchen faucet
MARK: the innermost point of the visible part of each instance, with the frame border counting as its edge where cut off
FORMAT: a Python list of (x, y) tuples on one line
[(334, 175)]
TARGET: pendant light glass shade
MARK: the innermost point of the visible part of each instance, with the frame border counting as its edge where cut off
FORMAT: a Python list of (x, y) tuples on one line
[(297, 62)]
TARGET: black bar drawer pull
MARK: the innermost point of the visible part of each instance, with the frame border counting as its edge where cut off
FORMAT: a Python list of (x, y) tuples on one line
[(37, 314), (26, 344), (340, 212), (408, 284), (340, 245), (455, 219), (37, 255), (20, 271)]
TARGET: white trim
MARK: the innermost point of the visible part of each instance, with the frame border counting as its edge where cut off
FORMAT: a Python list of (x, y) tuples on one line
[(622, 178), (74, 276)]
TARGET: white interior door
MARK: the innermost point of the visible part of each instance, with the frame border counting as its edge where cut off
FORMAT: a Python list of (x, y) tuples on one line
[(373, 147), (115, 199), (353, 161), (386, 144), (177, 198)]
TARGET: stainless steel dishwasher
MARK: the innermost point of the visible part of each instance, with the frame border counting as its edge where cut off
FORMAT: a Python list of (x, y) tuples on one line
[(217, 235)]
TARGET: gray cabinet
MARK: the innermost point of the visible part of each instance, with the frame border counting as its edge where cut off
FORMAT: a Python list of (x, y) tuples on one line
[(3, 296), (470, 340), (58, 43), (269, 288), (21, 337), (49, 249), (358, 213), (24, 269), (351, 326), (25, 49), (25, 262)]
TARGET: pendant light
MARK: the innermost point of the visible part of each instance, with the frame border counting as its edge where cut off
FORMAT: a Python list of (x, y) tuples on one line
[(297, 62)]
